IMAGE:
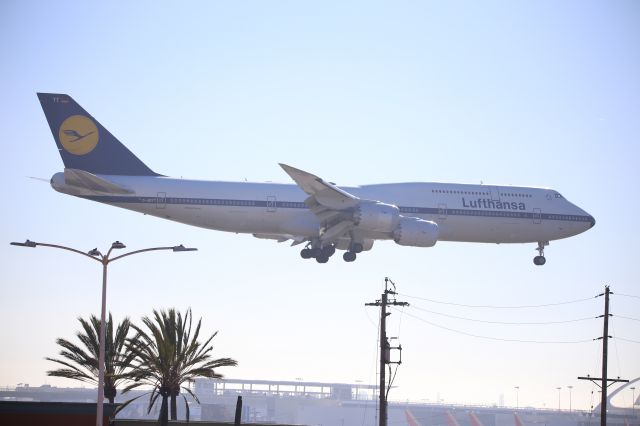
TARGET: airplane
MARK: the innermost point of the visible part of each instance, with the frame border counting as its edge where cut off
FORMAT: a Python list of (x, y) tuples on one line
[(314, 212)]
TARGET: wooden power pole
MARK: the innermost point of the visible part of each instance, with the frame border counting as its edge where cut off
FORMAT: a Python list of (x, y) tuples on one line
[(605, 382), (385, 348)]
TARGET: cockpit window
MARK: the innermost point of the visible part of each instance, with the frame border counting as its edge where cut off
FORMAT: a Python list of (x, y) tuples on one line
[(558, 195)]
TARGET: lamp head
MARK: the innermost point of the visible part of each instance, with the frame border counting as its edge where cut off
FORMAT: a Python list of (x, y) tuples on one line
[(94, 252), (118, 245), (183, 248), (27, 243)]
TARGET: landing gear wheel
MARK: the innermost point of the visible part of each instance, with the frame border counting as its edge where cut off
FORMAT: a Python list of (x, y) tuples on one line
[(328, 251), (349, 256), (539, 260), (357, 248), (322, 259), (306, 253)]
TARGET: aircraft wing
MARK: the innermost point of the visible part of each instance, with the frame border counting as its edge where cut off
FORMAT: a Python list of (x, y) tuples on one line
[(325, 193), (330, 204), (281, 238)]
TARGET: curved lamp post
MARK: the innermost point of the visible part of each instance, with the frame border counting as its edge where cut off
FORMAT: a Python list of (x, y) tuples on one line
[(105, 259)]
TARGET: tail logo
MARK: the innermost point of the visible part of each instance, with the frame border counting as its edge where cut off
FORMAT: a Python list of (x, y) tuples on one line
[(78, 135)]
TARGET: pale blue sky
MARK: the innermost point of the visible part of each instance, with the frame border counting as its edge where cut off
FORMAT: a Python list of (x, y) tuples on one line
[(528, 93)]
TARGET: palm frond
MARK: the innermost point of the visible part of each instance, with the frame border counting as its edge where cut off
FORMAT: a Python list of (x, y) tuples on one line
[(166, 353)]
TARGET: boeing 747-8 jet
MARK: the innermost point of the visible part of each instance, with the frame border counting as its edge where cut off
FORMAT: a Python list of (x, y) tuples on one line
[(313, 211)]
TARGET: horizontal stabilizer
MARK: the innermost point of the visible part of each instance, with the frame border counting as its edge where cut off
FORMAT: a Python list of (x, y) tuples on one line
[(91, 182)]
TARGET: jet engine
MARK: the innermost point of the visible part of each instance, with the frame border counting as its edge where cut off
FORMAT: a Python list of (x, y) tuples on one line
[(379, 217), (415, 232)]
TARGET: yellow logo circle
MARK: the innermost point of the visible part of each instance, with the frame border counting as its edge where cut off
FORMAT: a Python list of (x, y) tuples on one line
[(78, 135)]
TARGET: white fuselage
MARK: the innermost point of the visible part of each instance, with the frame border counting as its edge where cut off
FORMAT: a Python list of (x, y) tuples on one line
[(472, 213)]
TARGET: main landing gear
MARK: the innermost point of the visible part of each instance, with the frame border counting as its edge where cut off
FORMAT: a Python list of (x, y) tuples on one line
[(540, 259), (321, 254), (351, 255)]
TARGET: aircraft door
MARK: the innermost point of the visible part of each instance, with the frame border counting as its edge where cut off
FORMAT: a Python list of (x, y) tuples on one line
[(161, 200), (271, 203), (495, 193), (442, 211), (537, 216)]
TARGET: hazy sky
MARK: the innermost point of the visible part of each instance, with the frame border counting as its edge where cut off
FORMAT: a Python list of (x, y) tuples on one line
[(513, 92)]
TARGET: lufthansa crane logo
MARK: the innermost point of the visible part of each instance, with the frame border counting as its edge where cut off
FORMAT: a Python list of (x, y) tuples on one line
[(78, 135)]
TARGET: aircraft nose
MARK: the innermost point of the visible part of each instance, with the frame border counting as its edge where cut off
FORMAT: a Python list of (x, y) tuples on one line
[(592, 220)]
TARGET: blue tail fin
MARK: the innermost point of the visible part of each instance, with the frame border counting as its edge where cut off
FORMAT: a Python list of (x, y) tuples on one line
[(84, 144)]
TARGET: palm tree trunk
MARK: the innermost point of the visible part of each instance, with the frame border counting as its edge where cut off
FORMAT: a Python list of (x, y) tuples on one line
[(163, 420), (174, 407)]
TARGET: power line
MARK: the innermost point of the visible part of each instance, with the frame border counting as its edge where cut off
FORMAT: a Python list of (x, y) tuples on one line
[(497, 306), (502, 322), (629, 318), (626, 340), (628, 295), (494, 338)]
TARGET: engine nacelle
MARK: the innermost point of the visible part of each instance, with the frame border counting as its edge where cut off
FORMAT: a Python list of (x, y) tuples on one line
[(415, 232), (378, 217)]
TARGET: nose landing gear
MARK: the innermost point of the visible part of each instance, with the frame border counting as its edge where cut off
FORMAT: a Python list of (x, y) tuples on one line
[(540, 259)]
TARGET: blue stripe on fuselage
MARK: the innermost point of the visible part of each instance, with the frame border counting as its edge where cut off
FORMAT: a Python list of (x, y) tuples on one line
[(301, 205)]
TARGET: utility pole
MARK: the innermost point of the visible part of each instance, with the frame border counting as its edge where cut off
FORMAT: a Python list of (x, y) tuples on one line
[(385, 348), (604, 381)]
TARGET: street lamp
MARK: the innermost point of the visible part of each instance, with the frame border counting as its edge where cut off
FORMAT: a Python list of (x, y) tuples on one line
[(570, 387), (105, 260), (558, 397), (517, 388)]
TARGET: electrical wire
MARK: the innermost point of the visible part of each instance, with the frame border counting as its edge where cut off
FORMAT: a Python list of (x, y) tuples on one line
[(615, 344), (629, 318), (494, 338), (364, 414), (501, 322), (626, 340), (498, 306), (627, 295)]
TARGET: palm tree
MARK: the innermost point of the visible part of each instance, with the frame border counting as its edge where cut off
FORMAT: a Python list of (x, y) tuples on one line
[(81, 361), (168, 355)]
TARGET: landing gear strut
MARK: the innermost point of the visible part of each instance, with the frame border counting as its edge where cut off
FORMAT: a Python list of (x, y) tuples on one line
[(540, 259)]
